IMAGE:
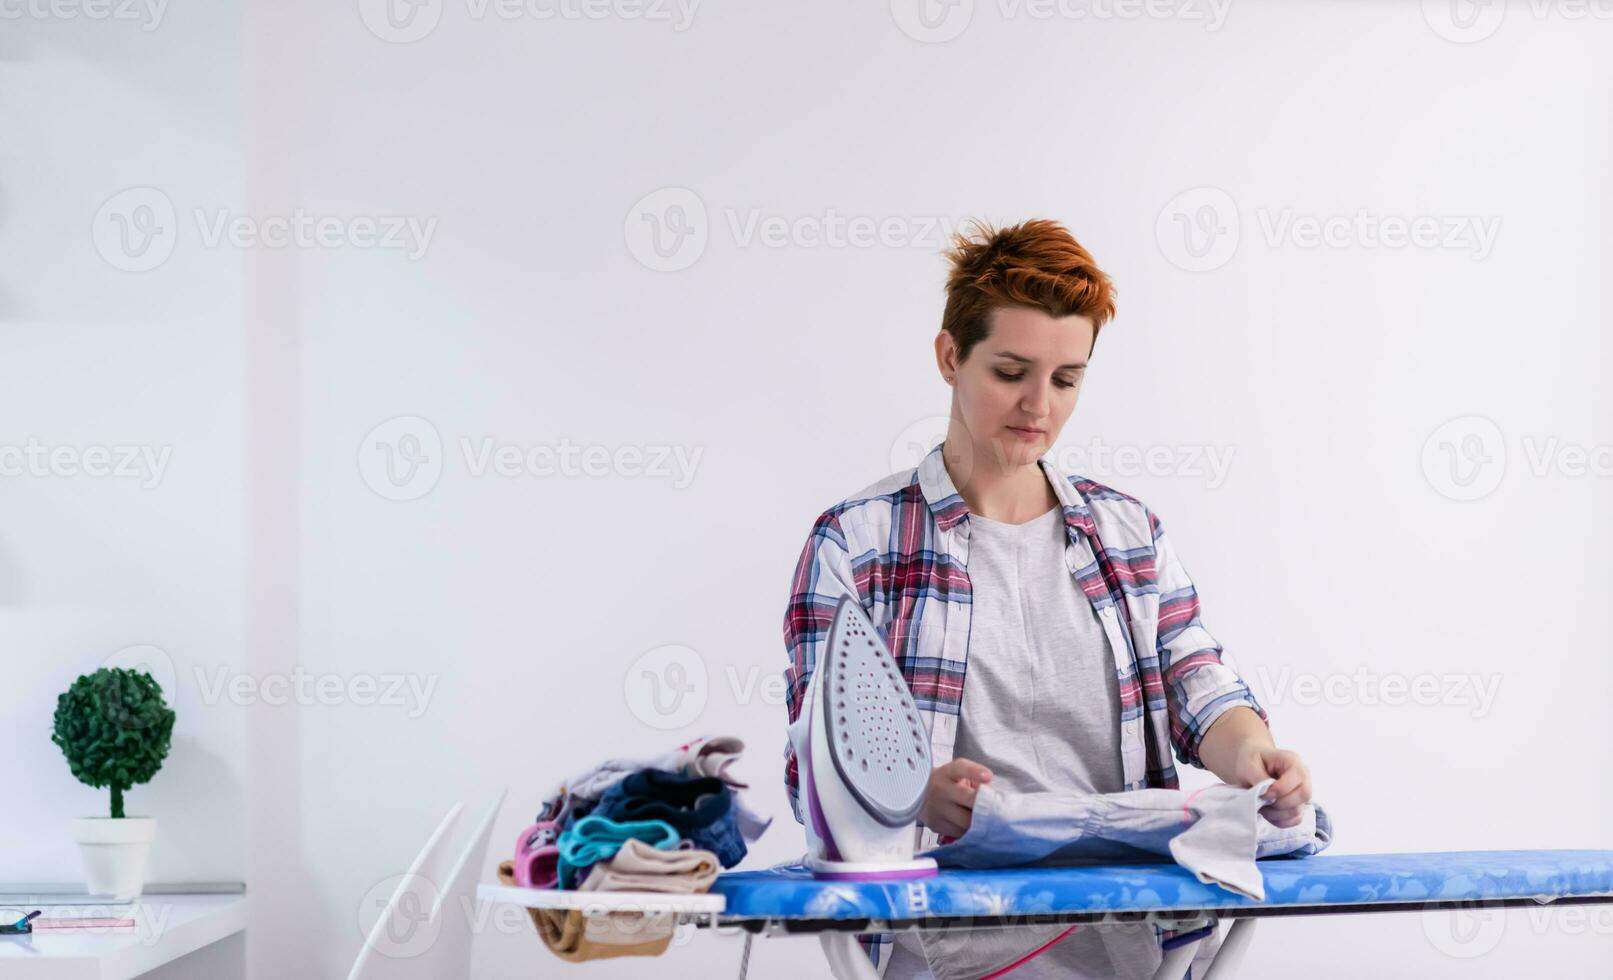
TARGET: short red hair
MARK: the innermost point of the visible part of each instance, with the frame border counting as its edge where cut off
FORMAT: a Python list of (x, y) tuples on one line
[(1037, 264)]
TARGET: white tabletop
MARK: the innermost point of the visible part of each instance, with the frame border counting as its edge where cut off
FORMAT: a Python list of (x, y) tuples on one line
[(166, 928)]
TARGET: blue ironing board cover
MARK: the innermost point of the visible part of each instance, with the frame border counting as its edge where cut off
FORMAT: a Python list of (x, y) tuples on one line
[(1322, 880)]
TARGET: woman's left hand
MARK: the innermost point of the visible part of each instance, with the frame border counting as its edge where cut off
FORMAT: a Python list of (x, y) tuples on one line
[(1292, 788)]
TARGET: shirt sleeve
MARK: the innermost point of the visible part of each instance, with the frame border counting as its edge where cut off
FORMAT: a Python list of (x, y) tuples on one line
[(1199, 688), (822, 576)]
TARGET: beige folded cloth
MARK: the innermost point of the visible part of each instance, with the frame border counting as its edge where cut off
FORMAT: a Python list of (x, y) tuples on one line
[(636, 867), (639, 867), (574, 937)]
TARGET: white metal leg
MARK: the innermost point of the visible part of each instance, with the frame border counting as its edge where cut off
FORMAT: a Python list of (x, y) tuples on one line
[(1176, 961), (1174, 965), (847, 961), (1233, 947)]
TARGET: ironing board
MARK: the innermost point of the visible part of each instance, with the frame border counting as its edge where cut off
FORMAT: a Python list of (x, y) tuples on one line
[(787, 900)]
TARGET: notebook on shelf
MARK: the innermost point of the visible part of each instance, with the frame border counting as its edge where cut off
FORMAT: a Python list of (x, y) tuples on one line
[(46, 923), (67, 909)]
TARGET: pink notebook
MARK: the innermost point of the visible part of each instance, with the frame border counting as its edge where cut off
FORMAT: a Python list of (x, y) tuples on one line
[(44, 923)]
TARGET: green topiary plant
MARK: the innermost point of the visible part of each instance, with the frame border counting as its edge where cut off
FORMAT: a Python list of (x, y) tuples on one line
[(113, 726)]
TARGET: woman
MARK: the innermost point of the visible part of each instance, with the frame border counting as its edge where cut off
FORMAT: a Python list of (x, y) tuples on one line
[(1046, 626)]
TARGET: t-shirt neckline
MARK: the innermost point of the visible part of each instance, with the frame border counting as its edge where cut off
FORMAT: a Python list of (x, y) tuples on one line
[(992, 522)]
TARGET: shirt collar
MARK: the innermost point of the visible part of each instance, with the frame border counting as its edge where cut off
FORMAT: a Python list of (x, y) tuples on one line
[(949, 510)]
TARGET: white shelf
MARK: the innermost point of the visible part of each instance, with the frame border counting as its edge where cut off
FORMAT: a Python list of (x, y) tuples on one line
[(167, 927), (599, 903)]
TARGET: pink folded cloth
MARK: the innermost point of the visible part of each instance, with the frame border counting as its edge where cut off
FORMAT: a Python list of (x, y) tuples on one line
[(537, 855)]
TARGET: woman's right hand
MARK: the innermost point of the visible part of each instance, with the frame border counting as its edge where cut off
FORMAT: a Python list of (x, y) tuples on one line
[(950, 800)]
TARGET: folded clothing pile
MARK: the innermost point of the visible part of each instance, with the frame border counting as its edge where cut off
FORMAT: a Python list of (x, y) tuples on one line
[(664, 825)]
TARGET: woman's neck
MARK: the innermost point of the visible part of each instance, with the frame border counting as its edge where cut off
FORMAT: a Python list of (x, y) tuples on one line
[(1011, 497)]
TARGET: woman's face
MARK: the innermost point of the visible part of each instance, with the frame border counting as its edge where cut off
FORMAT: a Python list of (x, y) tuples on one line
[(1019, 385)]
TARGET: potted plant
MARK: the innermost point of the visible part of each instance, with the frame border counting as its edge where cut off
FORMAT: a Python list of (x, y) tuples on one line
[(113, 726)]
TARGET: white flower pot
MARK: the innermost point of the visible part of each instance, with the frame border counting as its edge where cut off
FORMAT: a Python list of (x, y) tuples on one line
[(114, 851)]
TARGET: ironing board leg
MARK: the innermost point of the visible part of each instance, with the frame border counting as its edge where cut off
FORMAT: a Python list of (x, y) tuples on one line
[(1174, 965), (847, 961), (744, 957), (1230, 957)]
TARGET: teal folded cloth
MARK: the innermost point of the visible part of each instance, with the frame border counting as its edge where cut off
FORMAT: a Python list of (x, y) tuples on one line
[(595, 838)]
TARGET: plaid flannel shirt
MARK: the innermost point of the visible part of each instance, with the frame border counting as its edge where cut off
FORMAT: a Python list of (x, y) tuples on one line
[(901, 546)]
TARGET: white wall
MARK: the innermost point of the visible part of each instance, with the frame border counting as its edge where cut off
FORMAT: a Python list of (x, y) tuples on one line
[(115, 371), (520, 606)]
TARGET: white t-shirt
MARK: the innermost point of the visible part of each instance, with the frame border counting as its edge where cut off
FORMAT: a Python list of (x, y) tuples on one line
[(1041, 710)]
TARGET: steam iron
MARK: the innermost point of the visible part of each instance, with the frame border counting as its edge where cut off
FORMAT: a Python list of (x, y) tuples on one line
[(866, 767)]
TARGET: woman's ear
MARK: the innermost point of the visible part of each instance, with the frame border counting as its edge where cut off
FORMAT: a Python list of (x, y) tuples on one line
[(946, 353)]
